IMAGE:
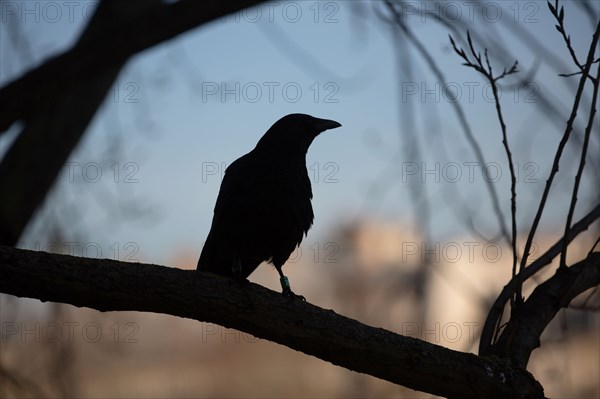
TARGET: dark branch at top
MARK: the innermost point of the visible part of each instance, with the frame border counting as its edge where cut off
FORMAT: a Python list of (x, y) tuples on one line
[(108, 47)]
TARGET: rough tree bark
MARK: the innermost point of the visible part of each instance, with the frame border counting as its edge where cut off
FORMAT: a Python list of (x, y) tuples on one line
[(108, 285)]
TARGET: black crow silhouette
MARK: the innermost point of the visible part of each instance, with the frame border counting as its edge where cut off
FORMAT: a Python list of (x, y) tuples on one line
[(264, 209)]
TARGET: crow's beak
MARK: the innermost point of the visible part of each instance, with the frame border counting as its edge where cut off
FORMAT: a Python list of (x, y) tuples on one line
[(326, 124)]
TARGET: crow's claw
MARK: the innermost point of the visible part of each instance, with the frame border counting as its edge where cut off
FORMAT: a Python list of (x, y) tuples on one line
[(287, 292)]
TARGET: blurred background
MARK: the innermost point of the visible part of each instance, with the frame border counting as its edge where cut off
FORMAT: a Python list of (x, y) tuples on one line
[(405, 235)]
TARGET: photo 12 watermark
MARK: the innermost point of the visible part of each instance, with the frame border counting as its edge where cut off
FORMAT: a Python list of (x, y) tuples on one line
[(69, 332), (470, 92), (318, 172), (315, 252), (94, 172), (119, 251), (467, 171), (270, 92), (212, 332), (290, 12), (27, 11), (460, 251), (423, 11), (449, 332), (126, 93)]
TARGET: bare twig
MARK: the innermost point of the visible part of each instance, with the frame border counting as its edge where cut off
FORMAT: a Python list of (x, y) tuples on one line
[(489, 75), (566, 75), (560, 15)]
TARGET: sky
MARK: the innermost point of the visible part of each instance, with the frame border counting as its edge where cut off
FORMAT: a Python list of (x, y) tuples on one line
[(182, 111)]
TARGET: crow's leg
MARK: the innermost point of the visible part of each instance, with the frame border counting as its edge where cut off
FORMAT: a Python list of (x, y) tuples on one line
[(285, 285)]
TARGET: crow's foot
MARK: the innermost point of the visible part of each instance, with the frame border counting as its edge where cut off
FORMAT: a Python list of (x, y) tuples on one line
[(287, 291)]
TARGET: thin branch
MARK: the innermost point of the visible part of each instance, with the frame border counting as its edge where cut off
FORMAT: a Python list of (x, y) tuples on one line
[(561, 146), (567, 75), (560, 15), (489, 75), (584, 148), (108, 285)]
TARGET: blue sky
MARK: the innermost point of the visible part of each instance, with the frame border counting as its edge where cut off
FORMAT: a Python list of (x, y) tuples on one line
[(164, 134)]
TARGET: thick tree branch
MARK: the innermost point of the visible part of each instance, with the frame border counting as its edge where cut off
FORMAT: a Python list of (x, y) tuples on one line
[(495, 313), (522, 333), (108, 285)]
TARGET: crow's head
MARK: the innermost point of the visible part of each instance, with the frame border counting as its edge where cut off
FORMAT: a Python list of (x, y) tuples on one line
[(294, 133)]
